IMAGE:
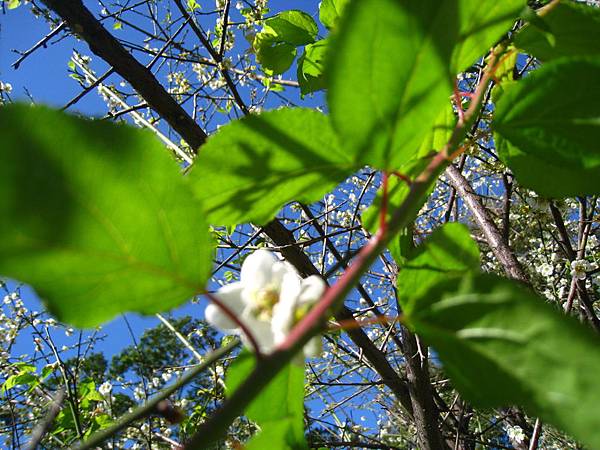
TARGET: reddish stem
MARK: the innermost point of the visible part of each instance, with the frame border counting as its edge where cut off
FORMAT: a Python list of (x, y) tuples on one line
[(241, 325), (403, 177), (353, 323), (458, 103), (314, 317), (384, 203)]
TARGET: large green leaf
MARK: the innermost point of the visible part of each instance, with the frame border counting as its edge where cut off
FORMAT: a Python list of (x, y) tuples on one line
[(278, 410), (502, 345), (96, 217), (448, 252), (547, 128), (392, 66), (571, 29), (251, 167)]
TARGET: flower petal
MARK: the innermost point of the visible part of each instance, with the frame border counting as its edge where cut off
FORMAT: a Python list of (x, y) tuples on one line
[(284, 310), (261, 331), (257, 270), (279, 271), (312, 289), (230, 295)]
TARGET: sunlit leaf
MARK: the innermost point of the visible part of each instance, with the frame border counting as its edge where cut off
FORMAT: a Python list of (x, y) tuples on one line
[(392, 66), (251, 167), (330, 12)]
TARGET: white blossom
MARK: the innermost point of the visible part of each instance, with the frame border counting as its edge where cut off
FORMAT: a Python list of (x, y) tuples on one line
[(105, 388), (515, 434), (5, 87), (269, 299), (579, 267), (546, 269)]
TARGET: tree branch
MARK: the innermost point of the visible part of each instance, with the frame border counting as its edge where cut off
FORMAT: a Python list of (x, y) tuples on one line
[(83, 23)]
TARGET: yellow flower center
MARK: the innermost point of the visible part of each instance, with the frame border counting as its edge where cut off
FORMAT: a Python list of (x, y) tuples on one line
[(263, 301)]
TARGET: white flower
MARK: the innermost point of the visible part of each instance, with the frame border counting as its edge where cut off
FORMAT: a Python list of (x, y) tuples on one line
[(269, 299), (5, 87), (105, 388), (515, 434), (546, 269), (579, 267)]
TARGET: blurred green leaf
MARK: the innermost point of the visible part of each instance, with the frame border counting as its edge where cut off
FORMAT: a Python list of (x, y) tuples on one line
[(13, 4), (97, 217), (278, 410), (574, 30)]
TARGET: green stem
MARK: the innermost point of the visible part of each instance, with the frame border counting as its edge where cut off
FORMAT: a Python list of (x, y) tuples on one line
[(150, 407)]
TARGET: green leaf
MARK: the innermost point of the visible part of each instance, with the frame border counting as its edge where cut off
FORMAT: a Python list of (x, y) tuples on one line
[(13, 4), (448, 252), (278, 410), (26, 375), (251, 167), (275, 45), (193, 5), (398, 188), (276, 58), (547, 128), (574, 29), (482, 24), (47, 371), (330, 12), (294, 27), (16, 380), (502, 345), (117, 25), (88, 393), (311, 66), (392, 69), (97, 217)]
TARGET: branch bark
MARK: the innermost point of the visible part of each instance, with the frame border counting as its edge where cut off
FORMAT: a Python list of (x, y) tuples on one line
[(492, 235), (83, 23)]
